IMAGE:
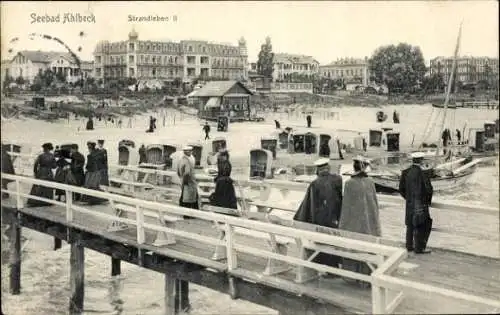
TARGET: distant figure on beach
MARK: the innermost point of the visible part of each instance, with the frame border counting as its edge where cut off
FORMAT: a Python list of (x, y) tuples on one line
[(360, 212), (142, 154), (206, 129), (152, 124), (277, 124), (459, 136), (395, 117), (322, 205), (90, 124), (7, 168), (416, 188), (44, 164), (309, 121), (446, 137)]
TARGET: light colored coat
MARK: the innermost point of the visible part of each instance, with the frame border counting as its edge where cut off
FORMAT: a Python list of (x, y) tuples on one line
[(360, 212), (185, 171)]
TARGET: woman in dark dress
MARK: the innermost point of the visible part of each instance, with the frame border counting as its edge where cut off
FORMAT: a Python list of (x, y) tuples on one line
[(77, 168), (42, 169), (7, 168), (63, 173), (224, 195), (93, 174), (224, 167)]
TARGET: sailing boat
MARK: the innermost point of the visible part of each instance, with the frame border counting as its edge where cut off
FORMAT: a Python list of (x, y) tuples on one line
[(441, 168)]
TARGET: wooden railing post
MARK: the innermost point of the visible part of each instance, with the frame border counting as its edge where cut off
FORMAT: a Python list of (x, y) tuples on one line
[(378, 299), (232, 262), (69, 206), (19, 204), (140, 225)]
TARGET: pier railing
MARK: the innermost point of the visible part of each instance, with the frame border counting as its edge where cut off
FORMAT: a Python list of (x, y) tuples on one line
[(385, 259), (283, 186)]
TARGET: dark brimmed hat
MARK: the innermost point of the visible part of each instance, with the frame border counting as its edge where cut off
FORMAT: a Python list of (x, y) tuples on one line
[(100, 141), (48, 146)]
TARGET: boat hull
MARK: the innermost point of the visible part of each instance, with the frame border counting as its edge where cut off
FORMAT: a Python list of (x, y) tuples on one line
[(386, 184)]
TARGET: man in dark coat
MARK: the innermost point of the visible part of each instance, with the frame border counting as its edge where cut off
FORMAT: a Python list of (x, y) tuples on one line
[(309, 121), (206, 129), (322, 204), (142, 154), (102, 162), (416, 187), (324, 150), (77, 168), (7, 168)]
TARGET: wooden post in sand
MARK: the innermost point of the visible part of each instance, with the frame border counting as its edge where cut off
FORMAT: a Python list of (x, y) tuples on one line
[(115, 267), (169, 295), (77, 278), (15, 255)]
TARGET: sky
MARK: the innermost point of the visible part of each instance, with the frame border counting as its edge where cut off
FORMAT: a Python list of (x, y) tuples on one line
[(325, 30)]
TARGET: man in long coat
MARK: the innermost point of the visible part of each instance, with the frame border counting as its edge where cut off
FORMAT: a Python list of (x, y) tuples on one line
[(322, 204), (360, 212), (416, 187)]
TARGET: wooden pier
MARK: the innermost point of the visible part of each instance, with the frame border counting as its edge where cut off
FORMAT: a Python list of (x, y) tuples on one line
[(266, 260)]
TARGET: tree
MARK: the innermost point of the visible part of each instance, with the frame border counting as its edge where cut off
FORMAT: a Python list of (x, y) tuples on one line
[(400, 67), (265, 61), (434, 82), (20, 80), (61, 76), (7, 80)]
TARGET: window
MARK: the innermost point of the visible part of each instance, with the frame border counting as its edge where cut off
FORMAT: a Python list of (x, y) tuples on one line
[(191, 59), (190, 49), (154, 59), (153, 72), (98, 59), (204, 49)]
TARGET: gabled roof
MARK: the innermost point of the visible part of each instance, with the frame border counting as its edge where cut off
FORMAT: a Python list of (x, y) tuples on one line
[(219, 88), (45, 56)]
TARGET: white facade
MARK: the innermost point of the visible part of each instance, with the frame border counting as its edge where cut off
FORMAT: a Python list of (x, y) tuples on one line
[(349, 69), (286, 65), (27, 64)]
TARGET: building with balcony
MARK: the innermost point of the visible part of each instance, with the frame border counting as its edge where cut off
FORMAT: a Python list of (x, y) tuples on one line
[(350, 70), (27, 64), (166, 60), (288, 65), (469, 69)]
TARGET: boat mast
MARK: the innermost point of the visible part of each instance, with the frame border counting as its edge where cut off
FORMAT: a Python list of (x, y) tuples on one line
[(448, 89)]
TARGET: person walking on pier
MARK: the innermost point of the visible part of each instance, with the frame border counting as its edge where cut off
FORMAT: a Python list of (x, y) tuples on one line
[(360, 212), (188, 199), (224, 166), (77, 168), (416, 188), (7, 168), (224, 194), (42, 169), (102, 162), (206, 129), (322, 204)]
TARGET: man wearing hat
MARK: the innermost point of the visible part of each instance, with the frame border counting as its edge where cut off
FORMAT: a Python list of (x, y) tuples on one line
[(360, 213), (415, 186), (102, 162), (322, 204)]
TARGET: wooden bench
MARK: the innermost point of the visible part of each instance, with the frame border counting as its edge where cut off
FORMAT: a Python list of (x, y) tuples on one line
[(166, 220)]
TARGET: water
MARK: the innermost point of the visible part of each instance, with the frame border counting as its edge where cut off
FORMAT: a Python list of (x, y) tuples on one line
[(45, 273)]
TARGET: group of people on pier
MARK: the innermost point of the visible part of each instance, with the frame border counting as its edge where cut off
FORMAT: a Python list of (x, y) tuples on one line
[(355, 207), (67, 165)]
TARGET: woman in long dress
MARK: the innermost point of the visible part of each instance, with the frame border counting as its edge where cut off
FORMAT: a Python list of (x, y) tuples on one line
[(7, 168), (93, 174), (42, 169), (64, 174)]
